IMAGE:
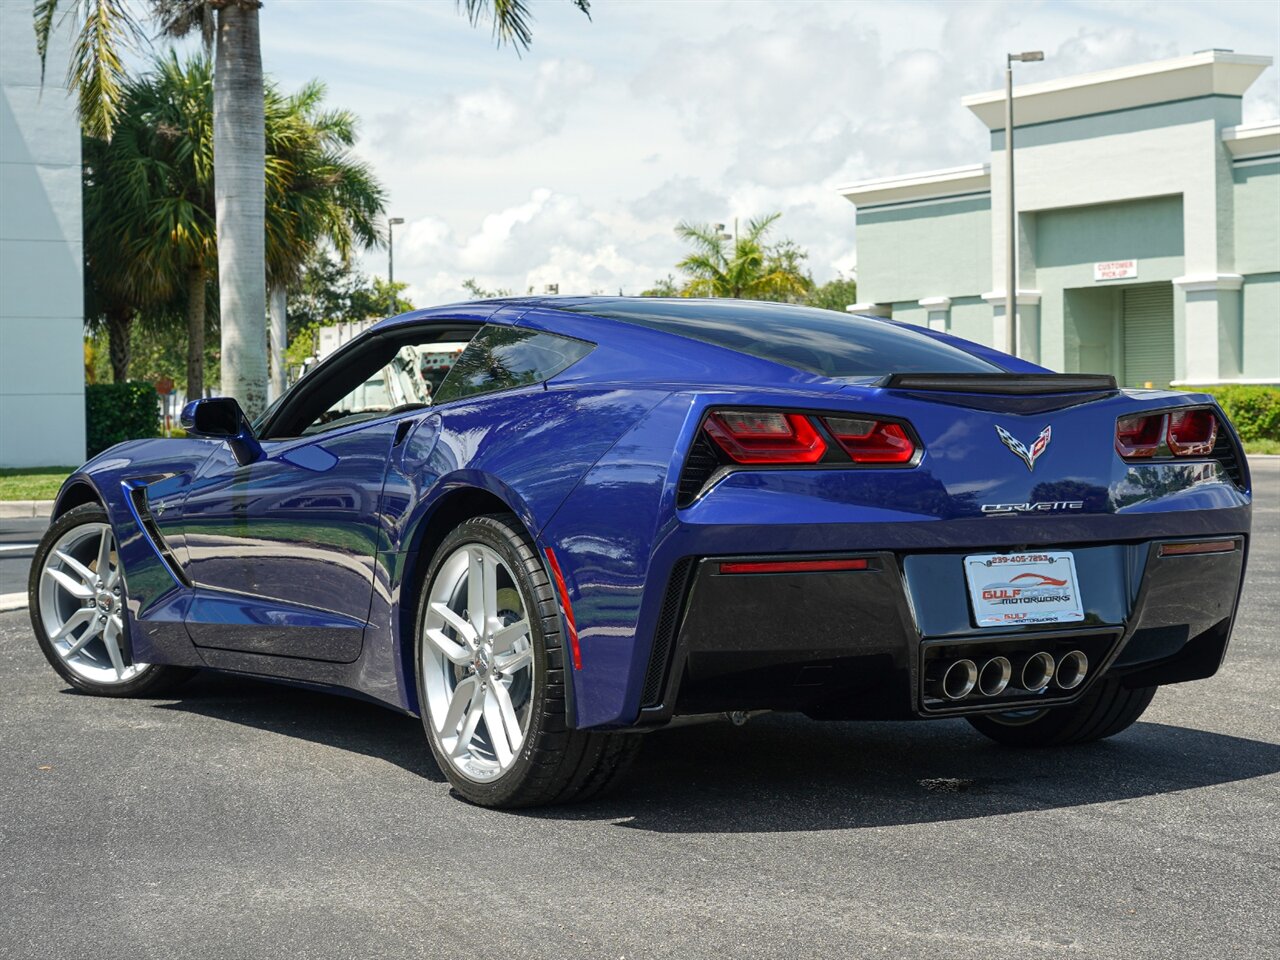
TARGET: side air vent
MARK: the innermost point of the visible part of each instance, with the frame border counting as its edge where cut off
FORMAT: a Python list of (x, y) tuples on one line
[(665, 633), (699, 466), (138, 500)]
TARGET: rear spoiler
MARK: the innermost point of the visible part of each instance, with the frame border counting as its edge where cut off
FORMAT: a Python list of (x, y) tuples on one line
[(1017, 384)]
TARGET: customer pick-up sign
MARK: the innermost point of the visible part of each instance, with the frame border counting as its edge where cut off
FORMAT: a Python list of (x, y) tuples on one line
[(1116, 270)]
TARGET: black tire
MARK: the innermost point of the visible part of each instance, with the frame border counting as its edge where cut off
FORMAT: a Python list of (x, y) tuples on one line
[(555, 764), (152, 680), (1104, 711)]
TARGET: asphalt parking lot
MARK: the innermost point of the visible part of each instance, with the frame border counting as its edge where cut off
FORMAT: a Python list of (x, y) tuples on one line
[(249, 820)]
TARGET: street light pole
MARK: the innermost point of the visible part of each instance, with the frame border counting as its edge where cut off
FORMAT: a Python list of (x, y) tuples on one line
[(1011, 232), (718, 228), (391, 250)]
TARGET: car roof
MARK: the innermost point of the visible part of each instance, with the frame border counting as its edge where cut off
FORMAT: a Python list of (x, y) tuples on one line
[(825, 343), (618, 308)]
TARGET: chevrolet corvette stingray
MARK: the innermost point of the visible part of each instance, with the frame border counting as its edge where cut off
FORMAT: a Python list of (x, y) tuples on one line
[(599, 516)]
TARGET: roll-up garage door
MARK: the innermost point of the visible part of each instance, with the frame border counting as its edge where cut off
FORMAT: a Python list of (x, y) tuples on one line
[(1148, 335)]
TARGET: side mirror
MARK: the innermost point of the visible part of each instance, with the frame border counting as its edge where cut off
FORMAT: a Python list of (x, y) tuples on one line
[(220, 418)]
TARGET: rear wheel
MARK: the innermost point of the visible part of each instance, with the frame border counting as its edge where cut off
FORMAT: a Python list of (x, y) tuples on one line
[(76, 599), (1106, 710), (491, 676)]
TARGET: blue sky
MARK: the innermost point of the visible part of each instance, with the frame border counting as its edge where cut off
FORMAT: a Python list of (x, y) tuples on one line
[(573, 164)]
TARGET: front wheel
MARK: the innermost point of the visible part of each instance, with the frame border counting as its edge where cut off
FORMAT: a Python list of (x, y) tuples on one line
[(491, 676), (1104, 711), (77, 601)]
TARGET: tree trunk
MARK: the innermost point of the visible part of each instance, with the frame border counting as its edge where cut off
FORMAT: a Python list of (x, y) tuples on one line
[(239, 170), (279, 339), (119, 329), (195, 333)]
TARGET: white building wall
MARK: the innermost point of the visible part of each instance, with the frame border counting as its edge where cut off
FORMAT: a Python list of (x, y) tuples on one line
[(41, 287)]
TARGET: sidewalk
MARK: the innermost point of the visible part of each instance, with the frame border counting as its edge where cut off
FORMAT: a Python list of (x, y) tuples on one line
[(25, 509)]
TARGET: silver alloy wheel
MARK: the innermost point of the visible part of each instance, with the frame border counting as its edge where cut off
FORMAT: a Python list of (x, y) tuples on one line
[(82, 605), (477, 663)]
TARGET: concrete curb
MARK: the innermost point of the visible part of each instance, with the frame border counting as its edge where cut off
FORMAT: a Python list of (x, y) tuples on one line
[(13, 601), (25, 509)]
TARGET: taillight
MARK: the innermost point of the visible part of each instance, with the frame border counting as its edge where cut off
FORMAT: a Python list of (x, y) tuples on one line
[(872, 441), (1186, 433), (1139, 437), (1192, 432), (754, 436)]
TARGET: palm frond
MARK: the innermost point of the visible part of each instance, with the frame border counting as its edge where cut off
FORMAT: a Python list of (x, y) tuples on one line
[(44, 12), (512, 19), (177, 18), (95, 70)]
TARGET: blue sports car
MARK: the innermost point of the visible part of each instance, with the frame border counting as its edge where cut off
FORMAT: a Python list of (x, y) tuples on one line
[(547, 525)]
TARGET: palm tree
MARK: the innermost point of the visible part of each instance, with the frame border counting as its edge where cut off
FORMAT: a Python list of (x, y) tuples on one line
[(317, 193), (746, 266), (96, 73), (172, 105), (111, 295), (151, 201), (148, 208)]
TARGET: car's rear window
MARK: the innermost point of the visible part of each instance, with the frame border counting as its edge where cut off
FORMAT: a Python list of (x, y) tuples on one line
[(819, 341)]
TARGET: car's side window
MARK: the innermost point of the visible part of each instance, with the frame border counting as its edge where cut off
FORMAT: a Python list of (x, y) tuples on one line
[(499, 358), (400, 370), (406, 381)]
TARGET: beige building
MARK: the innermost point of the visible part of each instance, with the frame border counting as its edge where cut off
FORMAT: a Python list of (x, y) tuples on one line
[(1149, 220)]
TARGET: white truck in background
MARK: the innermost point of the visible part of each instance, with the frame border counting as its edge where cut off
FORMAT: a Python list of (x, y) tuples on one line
[(413, 376)]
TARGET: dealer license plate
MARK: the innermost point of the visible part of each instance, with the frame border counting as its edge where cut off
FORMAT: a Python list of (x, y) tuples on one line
[(1013, 588)]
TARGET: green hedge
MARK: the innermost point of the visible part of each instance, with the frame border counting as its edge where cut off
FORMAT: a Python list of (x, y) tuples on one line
[(1254, 410), (115, 412)]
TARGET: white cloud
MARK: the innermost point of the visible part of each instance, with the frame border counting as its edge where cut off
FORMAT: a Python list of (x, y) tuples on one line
[(572, 164)]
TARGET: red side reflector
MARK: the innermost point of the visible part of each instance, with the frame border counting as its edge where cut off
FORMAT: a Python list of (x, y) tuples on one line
[(1139, 436), (1201, 546), (567, 607), (791, 566), (764, 436), (872, 441), (1192, 432)]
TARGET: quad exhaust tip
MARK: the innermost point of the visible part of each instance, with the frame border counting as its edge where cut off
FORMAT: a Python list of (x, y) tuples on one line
[(1072, 669), (1037, 672), (994, 676), (959, 680), (1033, 673)]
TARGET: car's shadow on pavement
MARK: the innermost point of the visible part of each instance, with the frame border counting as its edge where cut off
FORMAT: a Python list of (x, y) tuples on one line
[(788, 773), (335, 721)]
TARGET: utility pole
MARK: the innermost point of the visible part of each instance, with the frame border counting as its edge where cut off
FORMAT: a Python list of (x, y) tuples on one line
[(1011, 233)]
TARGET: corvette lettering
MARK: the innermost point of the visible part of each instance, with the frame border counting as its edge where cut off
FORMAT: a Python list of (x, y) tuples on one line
[(1040, 506)]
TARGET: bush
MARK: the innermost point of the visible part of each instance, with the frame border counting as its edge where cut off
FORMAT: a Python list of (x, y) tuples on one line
[(115, 412), (1255, 411)]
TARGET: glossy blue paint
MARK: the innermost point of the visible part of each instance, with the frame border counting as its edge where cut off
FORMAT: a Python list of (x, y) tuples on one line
[(305, 563), (294, 535)]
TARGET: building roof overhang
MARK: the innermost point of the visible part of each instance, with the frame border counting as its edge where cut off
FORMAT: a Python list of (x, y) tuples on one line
[(1252, 140), (974, 178), (1203, 74)]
